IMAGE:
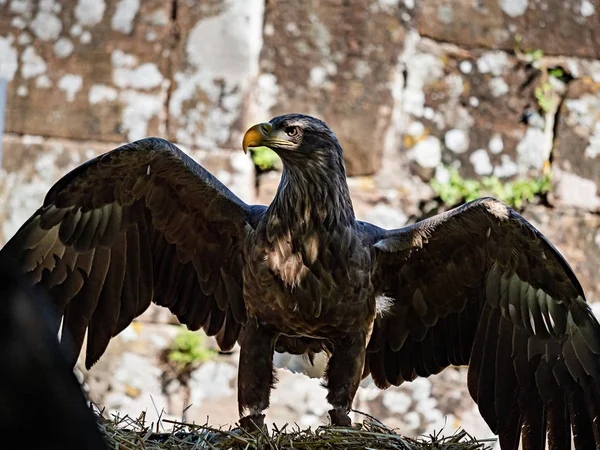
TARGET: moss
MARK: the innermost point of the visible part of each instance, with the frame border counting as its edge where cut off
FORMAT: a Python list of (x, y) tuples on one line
[(515, 193)]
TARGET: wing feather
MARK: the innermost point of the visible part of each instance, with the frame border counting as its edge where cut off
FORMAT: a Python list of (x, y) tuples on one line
[(130, 292), (228, 335), (479, 285), (79, 311), (559, 426), (143, 223), (106, 314)]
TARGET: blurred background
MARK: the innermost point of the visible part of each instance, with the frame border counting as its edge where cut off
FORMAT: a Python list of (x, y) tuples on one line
[(435, 102)]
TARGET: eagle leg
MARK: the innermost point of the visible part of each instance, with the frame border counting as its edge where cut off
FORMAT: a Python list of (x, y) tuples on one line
[(256, 374), (343, 375)]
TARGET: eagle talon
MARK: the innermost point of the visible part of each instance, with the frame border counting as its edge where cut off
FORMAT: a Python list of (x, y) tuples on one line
[(253, 422), (339, 418)]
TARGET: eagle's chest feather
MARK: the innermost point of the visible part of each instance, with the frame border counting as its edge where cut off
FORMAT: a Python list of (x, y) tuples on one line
[(312, 285), (290, 261)]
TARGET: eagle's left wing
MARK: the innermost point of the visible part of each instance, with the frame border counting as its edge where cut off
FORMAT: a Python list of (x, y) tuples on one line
[(479, 285)]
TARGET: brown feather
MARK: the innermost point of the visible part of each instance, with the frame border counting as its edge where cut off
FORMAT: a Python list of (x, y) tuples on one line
[(106, 314), (65, 291), (81, 224), (146, 280), (559, 426), (229, 332), (80, 309), (477, 354), (186, 293), (391, 366), (68, 225), (506, 382), (113, 226), (86, 236), (130, 291), (534, 424), (488, 369), (215, 321), (583, 435)]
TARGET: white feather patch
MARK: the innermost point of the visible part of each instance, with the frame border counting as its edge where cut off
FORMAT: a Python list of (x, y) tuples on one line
[(383, 305)]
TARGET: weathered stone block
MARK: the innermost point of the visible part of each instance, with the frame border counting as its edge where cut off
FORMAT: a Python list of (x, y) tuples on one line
[(214, 63), (335, 60), (86, 69), (554, 26), (577, 147), (466, 109)]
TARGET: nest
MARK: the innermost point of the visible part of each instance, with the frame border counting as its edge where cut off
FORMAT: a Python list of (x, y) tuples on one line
[(125, 433)]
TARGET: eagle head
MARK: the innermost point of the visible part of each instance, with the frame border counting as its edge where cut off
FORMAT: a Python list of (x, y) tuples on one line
[(295, 137)]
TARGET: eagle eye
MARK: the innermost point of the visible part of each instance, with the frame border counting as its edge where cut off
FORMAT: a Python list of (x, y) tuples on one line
[(292, 131)]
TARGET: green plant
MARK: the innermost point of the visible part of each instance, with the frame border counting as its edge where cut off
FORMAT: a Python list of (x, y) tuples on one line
[(264, 158), (556, 72), (534, 55), (543, 95), (188, 350), (529, 55), (456, 189), (515, 193)]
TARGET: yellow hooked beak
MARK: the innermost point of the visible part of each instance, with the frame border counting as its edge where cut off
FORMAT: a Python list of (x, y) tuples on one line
[(256, 136)]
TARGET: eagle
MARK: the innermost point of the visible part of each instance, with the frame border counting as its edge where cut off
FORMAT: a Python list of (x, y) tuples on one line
[(477, 285)]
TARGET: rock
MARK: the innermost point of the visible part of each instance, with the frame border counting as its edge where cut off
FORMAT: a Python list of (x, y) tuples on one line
[(212, 380), (158, 314), (425, 405), (214, 63), (553, 26), (302, 397), (572, 190), (88, 69), (386, 216), (337, 61), (135, 387), (465, 109), (128, 377), (577, 147)]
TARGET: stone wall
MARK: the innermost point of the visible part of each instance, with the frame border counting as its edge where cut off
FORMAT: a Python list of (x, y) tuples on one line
[(433, 81), (504, 88)]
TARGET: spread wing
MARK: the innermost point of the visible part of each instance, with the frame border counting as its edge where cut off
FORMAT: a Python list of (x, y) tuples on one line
[(142, 223), (479, 285)]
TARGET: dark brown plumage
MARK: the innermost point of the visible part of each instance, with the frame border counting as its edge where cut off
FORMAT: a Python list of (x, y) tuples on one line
[(477, 285)]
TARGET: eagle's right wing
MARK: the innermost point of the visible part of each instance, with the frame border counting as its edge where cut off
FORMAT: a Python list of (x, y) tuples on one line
[(142, 223)]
